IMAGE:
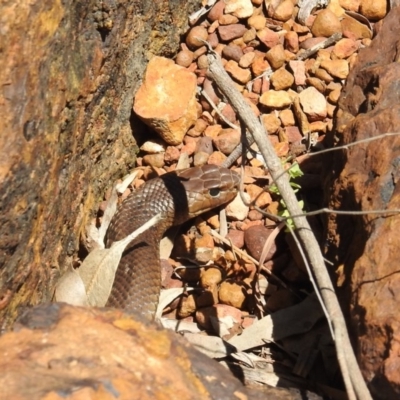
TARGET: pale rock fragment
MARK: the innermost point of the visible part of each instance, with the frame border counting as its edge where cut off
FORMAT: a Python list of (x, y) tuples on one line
[(239, 8), (276, 99), (313, 103)]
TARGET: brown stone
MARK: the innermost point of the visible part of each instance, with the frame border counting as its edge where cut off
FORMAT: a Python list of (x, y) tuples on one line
[(299, 72), (255, 238), (367, 179), (229, 32), (227, 140), (292, 41), (268, 37), (196, 36), (232, 52), (236, 237), (216, 11)]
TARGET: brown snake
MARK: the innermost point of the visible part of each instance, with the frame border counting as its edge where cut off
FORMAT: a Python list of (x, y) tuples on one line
[(178, 196)]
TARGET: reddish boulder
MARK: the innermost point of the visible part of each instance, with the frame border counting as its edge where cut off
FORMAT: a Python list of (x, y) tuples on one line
[(62, 352), (366, 177)]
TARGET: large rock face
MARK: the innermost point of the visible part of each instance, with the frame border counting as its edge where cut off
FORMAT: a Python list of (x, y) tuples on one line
[(366, 248), (64, 352), (69, 72)]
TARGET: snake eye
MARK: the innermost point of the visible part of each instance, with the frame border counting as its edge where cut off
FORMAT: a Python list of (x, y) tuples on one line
[(214, 192)]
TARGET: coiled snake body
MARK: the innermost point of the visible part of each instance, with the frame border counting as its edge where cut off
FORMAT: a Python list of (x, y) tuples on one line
[(178, 196)]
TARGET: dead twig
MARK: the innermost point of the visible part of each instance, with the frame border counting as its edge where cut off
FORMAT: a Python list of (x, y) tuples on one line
[(355, 384)]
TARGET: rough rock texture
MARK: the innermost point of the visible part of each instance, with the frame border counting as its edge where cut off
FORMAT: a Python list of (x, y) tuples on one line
[(69, 73), (366, 177), (64, 352), (158, 106)]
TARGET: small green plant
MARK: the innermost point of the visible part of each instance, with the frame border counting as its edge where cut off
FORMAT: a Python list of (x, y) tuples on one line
[(294, 172)]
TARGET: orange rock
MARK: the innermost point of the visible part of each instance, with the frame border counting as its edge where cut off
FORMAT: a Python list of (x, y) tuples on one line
[(218, 311), (213, 131), (283, 12), (259, 65), (187, 306), (240, 74), (268, 37), (336, 68), (106, 354), (210, 277), (276, 56), (345, 48), (232, 294), (350, 5), (282, 79), (292, 41), (326, 24), (227, 19), (247, 59), (275, 99), (373, 9), (216, 158), (164, 80), (271, 123), (287, 117), (257, 22), (281, 149)]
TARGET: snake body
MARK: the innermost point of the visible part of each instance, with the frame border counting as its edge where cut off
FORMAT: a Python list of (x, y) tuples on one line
[(178, 196)]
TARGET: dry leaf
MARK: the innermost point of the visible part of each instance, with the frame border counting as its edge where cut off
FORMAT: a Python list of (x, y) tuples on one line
[(97, 272), (70, 289), (283, 323), (212, 346)]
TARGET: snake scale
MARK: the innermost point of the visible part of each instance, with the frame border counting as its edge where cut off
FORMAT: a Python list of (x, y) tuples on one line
[(178, 196)]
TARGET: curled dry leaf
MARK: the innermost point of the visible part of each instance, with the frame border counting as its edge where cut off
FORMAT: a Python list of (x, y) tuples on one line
[(97, 271)]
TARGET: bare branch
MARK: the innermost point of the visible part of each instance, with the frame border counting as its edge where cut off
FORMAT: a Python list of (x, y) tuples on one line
[(345, 354)]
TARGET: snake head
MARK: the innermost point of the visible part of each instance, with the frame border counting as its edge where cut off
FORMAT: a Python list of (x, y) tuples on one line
[(208, 187)]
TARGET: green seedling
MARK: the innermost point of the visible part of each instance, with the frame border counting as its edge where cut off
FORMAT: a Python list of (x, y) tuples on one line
[(294, 172)]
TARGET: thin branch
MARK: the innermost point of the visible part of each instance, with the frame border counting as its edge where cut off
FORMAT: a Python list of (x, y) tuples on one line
[(346, 146), (311, 247), (322, 45)]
